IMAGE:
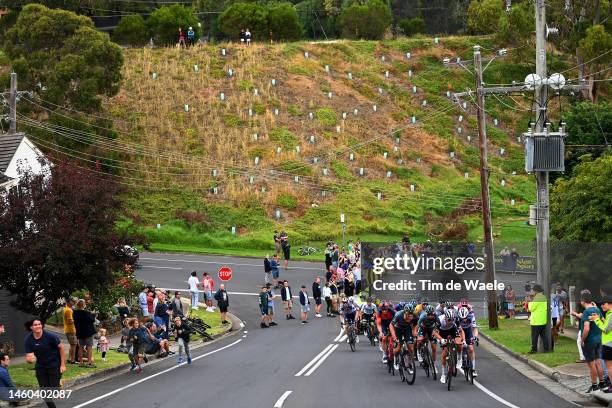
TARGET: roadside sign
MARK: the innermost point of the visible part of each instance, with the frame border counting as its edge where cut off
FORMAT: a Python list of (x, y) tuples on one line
[(225, 273), (342, 218)]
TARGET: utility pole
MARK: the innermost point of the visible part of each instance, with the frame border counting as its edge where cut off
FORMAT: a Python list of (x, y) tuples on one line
[(484, 191), (542, 216), (13, 105)]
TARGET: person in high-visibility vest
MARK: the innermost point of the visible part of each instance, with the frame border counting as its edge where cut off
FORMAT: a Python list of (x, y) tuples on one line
[(537, 318)]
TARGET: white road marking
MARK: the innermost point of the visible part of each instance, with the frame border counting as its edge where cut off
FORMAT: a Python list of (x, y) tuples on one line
[(246, 331), (231, 293), (161, 267), (101, 397), (314, 360), (338, 337), (321, 360), (490, 393), (281, 400), (342, 339), (244, 336), (221, 263)]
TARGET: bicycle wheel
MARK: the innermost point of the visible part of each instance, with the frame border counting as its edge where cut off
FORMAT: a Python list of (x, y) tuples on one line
[(432, 365), (390, 357), (371, 335), (465, 365), (409, 367), (352, 339), (455, 360), (402, 368), (426, 358)]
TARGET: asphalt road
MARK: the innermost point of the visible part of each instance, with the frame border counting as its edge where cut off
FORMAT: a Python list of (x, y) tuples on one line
[(291, 365)]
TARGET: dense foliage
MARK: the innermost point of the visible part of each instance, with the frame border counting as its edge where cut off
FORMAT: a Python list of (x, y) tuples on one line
[(365, 21), (165, 22), (131, 30)]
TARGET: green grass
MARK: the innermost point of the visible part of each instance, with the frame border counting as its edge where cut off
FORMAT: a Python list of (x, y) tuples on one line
[(516, 335), (212, 319)]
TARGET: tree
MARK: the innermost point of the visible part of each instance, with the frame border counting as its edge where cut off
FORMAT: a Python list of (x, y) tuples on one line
[(581, 207), (316, 23), (367, 21), (57, 236), (165, 22), (483, 16), (412, 26), (516, 26), (595, 42), (131, 30), (245, 15), (283, 22), (63, 52)]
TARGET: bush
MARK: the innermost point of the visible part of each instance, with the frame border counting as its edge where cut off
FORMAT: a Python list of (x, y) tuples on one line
[(165, 22), (285, 138), (132, 30), (286, 201), (283, 22), (412, 26), (244, 15), (368, 21), (483, 16), (326, 116)]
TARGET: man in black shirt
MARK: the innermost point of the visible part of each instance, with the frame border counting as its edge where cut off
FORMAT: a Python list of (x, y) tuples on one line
[(286, 247), (316, 294), (85, 330), (46, 349)]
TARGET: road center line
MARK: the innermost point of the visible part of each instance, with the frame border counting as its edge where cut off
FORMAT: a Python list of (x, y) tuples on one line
[(490, 393), (160, 267), (281, 400), (321, 360), (174, 367), (314, 360), (220, 263)]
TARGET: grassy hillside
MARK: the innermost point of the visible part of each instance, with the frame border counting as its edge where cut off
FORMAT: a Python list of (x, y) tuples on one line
[(316, 128)]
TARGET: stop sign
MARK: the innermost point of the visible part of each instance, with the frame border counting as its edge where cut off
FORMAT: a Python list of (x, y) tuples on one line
[(225, 273)]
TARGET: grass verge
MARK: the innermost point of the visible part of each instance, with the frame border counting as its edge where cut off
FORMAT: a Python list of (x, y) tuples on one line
[(516, 335)]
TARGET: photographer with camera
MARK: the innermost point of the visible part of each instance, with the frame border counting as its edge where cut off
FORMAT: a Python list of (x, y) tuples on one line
[(84, 322)]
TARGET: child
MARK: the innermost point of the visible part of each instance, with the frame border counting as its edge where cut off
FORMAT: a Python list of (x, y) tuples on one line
[(103, 342), (181, 334)]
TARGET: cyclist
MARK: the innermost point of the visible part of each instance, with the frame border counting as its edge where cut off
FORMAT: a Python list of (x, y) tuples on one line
[(399, 306), (384, 316), (367, 313), (447, 327), (418, 309), (403, 327), (349, 313), (428, 321), (469, 333)]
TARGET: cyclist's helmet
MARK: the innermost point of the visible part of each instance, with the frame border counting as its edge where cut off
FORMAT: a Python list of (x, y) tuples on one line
[(408, 308), (371, 299), (413, 302), (429, 309), (384, 305), (350, 300), (425, 302), (464, 312), (449, 314)]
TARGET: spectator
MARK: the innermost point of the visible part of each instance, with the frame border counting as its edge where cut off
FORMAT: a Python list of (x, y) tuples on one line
[(138, 336), (181, 38), (357, 276), (208, 285), (263, 307), (85, 330), (128, 325), (334, 295), (122, 309), (161, 316), (514, 257), (329, 249), (70, 330), (591, 340), (275, 272), (271, 296), (1, 329), (316, 295), (277, 242), (242, 38), (247, 37), (223, 302), (335, 256), (193, 289), (554, 306), (287, 298), (182, 334), (563, 306), (47, 351), (142, 301), (286, 247), (328, 300), (537, 319), (267, 269), (156, 342), (151, 301), (304, 304), (190, 37), (103, 342), (176, 306), (6, 383), (605, 325), (510, 299), (504, 254)]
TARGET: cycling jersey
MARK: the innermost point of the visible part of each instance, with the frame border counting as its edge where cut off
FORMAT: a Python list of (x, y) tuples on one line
[(368, 309), (419, 309), (467, 325), (385, 316), (349, 311), (444, 324), (426, 323), (403, 327)]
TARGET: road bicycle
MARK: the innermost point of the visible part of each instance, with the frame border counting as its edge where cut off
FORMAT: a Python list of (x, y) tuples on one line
[(308, 250), (451, 361), (352, 336), (407, 369), (391, 344), (466, 364), (428, 363), (370, 332)]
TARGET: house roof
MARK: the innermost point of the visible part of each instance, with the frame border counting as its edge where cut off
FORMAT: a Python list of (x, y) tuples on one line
[(8, 147)]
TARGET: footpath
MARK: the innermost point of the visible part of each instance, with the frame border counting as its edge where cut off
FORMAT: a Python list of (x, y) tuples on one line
[(573, 378)]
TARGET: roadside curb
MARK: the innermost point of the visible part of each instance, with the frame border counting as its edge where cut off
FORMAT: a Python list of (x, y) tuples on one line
[(543, 369)]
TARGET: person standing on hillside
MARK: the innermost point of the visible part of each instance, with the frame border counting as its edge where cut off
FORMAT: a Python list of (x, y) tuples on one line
[(247, 37), (277, 242), (286, 247), (70, 330), (190, 37), (241, 36), (194, 290), (181, 38)]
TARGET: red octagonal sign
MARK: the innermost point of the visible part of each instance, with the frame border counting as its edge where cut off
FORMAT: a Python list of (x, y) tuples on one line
[(225, 273)]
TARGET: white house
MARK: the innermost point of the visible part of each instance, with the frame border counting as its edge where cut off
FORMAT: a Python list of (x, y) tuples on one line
[(17, 151)]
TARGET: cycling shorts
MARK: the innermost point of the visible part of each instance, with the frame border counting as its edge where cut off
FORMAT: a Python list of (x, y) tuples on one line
[(452, 333), (404, 333), (469, 335), (426, 332), (384, 325), (367, 317)]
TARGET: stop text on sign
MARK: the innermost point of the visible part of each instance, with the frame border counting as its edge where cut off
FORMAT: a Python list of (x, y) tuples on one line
[(225, 273)]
